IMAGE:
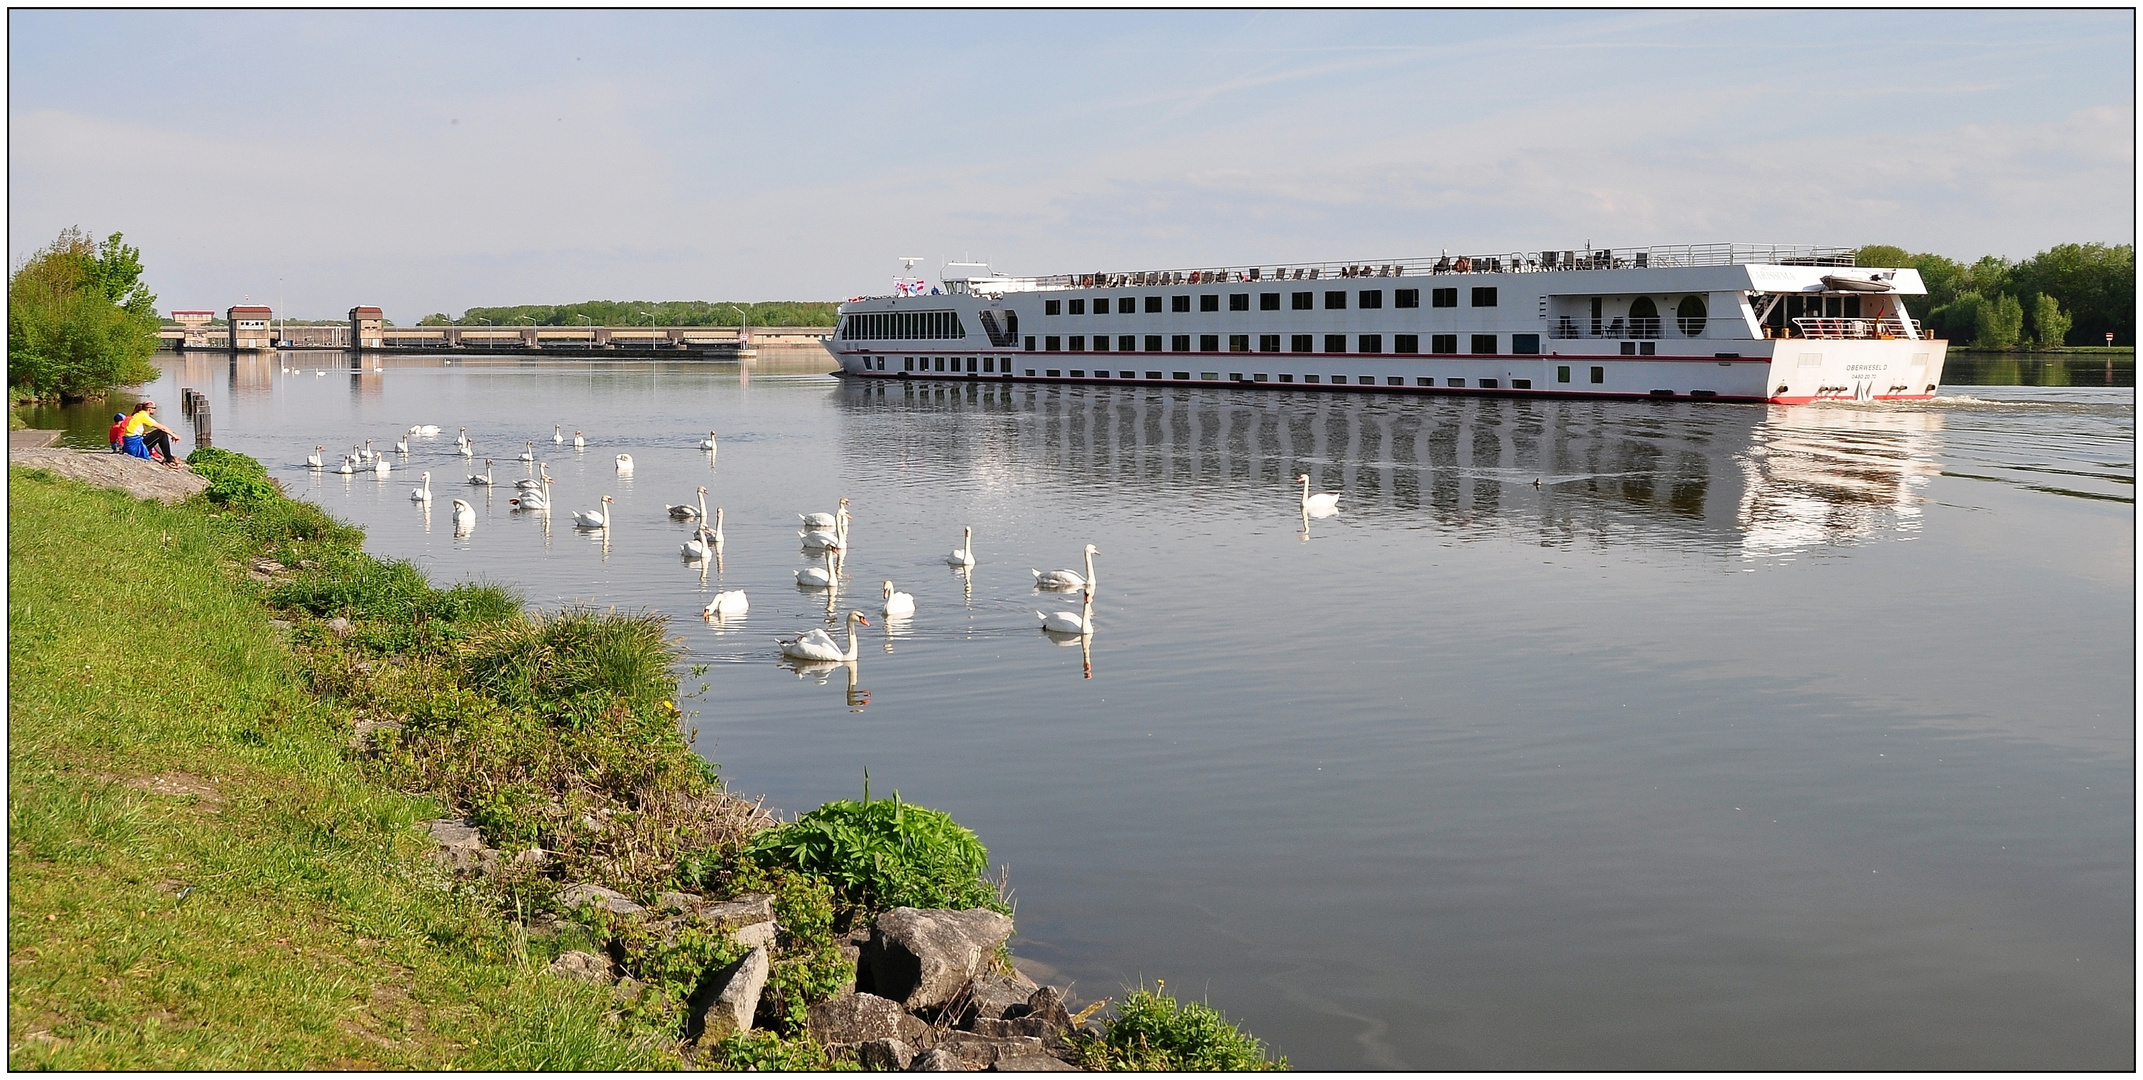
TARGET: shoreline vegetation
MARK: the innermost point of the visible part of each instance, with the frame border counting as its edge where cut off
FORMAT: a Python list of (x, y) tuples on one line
[(277, 804)]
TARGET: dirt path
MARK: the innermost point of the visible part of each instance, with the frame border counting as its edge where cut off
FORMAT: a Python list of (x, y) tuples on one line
[(141, 479)]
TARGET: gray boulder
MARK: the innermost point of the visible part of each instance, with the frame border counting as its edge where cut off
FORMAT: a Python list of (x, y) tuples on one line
[(852, 1019), (977, 1052), (937, 1061), (1031, 1063), (461, 847), (923, 958), (885, 1055), (725, 1005), (585, 966), (990, 996), (600, 898)]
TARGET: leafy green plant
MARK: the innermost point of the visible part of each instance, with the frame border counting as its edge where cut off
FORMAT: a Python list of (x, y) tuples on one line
[(576, 665), (79, 319), (882, 854), (233, 479), (765, 1051), (1152, 1032)]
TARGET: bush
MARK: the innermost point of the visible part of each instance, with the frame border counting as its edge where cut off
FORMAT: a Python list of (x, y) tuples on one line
[(1151, 1032), (764, 1051), (79, 321), (234, 480), (882, 854)]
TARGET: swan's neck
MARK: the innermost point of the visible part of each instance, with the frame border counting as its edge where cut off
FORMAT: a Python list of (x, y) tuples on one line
[(1090, 572), (851, 655)]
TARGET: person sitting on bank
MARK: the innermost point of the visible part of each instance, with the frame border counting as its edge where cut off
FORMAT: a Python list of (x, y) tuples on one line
[(144, 436), (118, 433)]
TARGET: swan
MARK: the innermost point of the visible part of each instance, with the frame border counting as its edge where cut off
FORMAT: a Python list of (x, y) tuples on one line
[(593, 519), (898, 605), (530, 453), (624, 464), (964, 555), (1079, 622), (717, 525), (820, 521), (578, 442), (484, 480), (530, 500), (380, 465), (468, 450), (536, 482), (558, 434), (708, 442), (347, 467), (819, 645), (369, 453), (422, 494), (837, 539), (313, 459), (464, 514), (401, 446), (1321, 505), (424, 429), (812, 577), (1069, 579), (682, 511), (697, 548), (463, 438), (727, 603)]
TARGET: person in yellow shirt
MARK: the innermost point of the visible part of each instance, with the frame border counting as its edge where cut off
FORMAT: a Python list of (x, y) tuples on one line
[(144, 434)]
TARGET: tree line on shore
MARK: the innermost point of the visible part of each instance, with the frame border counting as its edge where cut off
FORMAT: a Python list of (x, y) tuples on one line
[(631, 312), (2067, 294)]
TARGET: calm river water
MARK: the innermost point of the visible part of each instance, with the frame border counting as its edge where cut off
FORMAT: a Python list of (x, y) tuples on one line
[(1614, 735)]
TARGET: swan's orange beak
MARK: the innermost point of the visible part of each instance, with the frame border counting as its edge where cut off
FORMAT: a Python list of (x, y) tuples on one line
[(865, 622)]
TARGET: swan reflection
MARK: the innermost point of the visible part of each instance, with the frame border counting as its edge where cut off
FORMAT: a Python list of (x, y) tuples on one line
[(822, 671)]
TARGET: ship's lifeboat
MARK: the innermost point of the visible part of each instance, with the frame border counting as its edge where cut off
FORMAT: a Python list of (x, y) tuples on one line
[(1879, 281)]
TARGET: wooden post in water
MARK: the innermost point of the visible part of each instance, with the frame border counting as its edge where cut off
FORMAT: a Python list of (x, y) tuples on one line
[(201, 422), (186, 400)]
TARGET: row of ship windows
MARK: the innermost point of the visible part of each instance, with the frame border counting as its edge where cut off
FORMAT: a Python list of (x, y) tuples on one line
[(1365, 299), (990, 366), (1439, 344)]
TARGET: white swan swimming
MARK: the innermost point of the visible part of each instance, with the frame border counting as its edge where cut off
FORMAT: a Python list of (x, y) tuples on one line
[(624, 464), (1321, 505), (347, 467), (717, 524), (819, 645), (1070, 622), (708, 442), (1069, 579), (422, 494), (313, 459), (964, 555), (726, 603), (530, 500), (369, 453), (401, 446), (816, 538), (380, 466), (558, 434), (687, 511), (698, 547), (813, 577), (464, 514), (578, 442), (536, 482), (468, 449), (898, 605), (820, 521), (593, 519), (530, 453), (484, 480), (424, 429), (462, 439)]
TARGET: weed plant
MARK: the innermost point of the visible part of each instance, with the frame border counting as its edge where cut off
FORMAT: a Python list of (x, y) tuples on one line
[(1152, 1032), (233, 479), (880, 854)]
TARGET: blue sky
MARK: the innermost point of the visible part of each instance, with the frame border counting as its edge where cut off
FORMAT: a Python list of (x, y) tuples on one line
[(430, 162)]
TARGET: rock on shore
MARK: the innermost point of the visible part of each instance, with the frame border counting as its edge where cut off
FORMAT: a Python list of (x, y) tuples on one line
[(121, 472)]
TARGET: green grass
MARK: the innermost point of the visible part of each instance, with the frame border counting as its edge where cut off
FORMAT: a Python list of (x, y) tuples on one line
[(1153, 1032), (199, 876)]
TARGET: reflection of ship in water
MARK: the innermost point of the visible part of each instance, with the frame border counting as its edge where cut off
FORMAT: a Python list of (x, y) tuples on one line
[(1756, 481)]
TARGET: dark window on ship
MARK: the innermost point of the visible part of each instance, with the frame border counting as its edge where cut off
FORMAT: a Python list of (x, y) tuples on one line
[(1335, 342), (1153, 374), (989, 364), (1209, 343), (1030, 343), (1484, 344), (1484, 296), (1301, 342), (1454, 382), (1078, 343), (1127, 305), (1302, 301), (1525, 344), (1179, 303), (1239, 301), (1238, 343), (1101, 343), (1268, 343), (1339, 379), (1406, 298), (1078, 307), (1209, 302), (1153, 305), (1052, 307), (1443, 297), (1050, 344), (1335, 299), (1370, 299), (1443, 344), (1153, 343), (1406, 343), (1101, 305), (941, 363), (1690, 315), (1521, 384), (1309, 378), (1599, 374), (1126, 343), (1285, 377), (1562, 373), (1179, 343), (1369, 343), (1488, 384), (907, 363), (1269, 301)]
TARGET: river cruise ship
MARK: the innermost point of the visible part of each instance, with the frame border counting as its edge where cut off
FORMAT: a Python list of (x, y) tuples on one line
[(1723, 322)]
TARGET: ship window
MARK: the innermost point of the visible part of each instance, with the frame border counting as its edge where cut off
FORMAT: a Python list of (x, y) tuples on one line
[(1285, 377), (1078, 343), (1078, 307), (1406, 343), (1101, 343), (1259, 377), (1239, 301), (1301, 342), (1443, 344), (1078, 373), (1030, 343), (1339, 380), (1052, 307), (989, 364), (1525, 344), (1370, 299), (1153, 343), (1153, 374), (1647, 348), (1309, 378), (1053, 373), (1406, 298), (1443, 297), (1335, 342), (1424, 382), (1101, 305), (1484, 296), (1562, 373), (1484, 344), (1179, 343), (1488, 384), (941, 363), (1127, 305), (1179, 303), (1153, 305), (1644, 318), (1238, 343), (1370, 343), (1394, 380), (907, 363), (1629, 348), (1269, 301), (1301, 301), (1337, 298), (1690, 315), (1127, 343), (1454, 382), (1209, 302), (1184, 375), (1209, 376), (1599, 374), (1030, 373), (1521, 384), (1052, 344), (1209, 343), (1268, 343)]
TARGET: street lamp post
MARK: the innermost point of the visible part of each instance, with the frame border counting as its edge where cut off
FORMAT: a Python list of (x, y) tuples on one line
[(650, 328)]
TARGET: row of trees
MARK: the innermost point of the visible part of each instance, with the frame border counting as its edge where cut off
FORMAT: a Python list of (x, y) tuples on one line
[(629, 312), (2069, 293), (79, 319)]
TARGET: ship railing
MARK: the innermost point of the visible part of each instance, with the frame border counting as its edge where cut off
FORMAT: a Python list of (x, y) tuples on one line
[(1624, 329), (1854, 329), (1519, 262)]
